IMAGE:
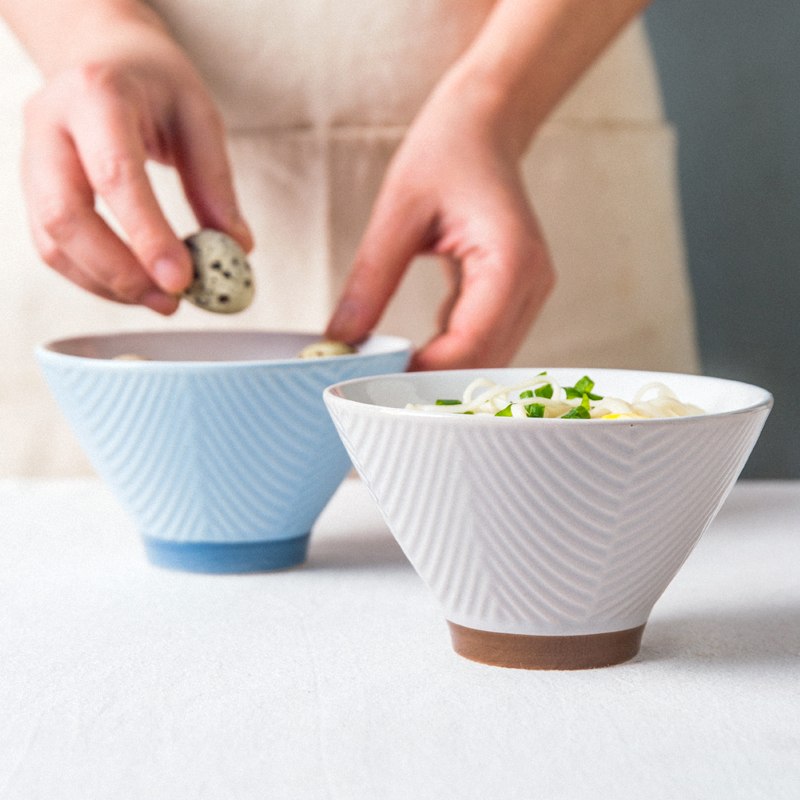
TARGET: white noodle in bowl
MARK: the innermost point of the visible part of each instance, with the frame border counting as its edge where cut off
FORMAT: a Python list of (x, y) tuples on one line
[(543, 396)]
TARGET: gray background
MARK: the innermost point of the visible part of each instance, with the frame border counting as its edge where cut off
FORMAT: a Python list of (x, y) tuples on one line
[(730, 73)]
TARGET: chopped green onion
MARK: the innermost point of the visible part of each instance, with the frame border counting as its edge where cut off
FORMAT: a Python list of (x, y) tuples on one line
[(534, 409), (467, 412), (544, 391), (582, 388), (506, 412), (581, 411), (448, 402), (572, 394)]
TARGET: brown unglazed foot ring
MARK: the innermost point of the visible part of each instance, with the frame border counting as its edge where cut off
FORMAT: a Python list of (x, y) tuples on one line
[(546, 652)]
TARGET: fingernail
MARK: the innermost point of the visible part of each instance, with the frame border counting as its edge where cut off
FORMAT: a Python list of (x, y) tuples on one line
[(169, 275), (159, 302), (344, 324), (242, 232)]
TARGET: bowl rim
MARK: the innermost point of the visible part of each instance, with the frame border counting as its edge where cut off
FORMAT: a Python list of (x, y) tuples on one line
[(334, 394), (393, 345)]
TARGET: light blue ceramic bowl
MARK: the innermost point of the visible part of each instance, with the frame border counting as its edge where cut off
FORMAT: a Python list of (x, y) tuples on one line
[(220, 446)]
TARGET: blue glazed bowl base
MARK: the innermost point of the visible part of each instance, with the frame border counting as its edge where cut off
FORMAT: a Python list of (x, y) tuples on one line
[(227, 558)]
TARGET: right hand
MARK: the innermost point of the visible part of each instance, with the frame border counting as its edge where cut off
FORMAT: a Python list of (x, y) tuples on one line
[(88, 133)]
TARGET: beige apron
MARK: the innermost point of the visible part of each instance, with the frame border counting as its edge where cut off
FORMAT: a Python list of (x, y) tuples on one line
[(316, 96)]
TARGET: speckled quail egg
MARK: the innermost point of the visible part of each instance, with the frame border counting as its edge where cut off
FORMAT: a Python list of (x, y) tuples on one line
[(326, 348), (223, 280)]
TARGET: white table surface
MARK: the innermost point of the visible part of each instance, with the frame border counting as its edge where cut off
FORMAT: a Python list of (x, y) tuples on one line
[(337, 680)]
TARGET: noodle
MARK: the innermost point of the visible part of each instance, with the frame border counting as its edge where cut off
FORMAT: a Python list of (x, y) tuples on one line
[(542, 396)]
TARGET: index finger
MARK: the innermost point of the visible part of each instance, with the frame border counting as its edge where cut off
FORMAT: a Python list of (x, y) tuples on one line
[(68, 232), (202, 162), (397, 231), (112, 152)]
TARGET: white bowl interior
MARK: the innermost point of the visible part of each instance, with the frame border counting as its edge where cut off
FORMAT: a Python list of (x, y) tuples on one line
[(200, 345), (713, 395)]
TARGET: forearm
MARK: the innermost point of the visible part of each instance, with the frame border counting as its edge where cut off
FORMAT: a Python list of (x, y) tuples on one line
[(62, 33), (530, 53)]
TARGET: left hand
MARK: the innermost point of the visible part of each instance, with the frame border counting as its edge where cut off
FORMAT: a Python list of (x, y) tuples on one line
[(453, 189)]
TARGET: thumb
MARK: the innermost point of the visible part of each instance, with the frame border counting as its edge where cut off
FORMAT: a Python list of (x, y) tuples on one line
[(202, 162), (397, 231)]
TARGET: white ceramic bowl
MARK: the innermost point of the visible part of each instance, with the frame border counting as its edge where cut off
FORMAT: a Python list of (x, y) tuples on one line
[(546, 541), (220, 446)]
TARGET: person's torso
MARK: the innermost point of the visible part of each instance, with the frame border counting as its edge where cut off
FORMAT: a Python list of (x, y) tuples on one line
[(307, 63)]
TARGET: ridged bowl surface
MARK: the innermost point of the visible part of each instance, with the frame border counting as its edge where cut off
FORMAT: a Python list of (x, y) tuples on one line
[(546, 527), (222, 438)]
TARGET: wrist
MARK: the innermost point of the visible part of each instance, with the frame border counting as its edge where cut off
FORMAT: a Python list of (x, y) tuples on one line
[(59, 35), (529, 54), (491, 104)]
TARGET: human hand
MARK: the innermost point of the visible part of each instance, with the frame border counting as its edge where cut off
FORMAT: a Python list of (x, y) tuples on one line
[(89, 132), (453, 189)]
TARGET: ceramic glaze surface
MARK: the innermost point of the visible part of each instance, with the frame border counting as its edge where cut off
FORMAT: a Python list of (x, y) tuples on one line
[(546, 527), (237, 449)]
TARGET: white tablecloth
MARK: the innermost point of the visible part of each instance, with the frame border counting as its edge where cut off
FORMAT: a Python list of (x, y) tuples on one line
[(337, 680)]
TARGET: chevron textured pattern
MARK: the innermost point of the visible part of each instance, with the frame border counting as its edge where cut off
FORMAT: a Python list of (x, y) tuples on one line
[(212, 452), (546, 529)]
